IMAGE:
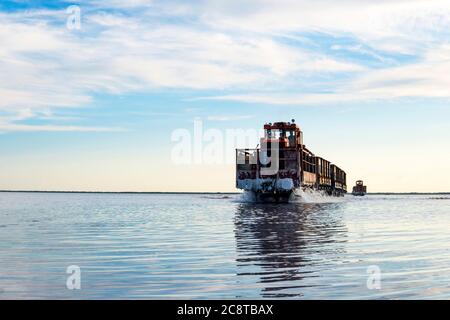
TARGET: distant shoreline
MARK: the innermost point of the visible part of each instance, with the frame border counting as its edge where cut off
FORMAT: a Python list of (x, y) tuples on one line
[(175, 192), (114, 192)]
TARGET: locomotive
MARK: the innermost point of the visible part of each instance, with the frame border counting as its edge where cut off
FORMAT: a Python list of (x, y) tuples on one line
[(359, 189), (283, 165)]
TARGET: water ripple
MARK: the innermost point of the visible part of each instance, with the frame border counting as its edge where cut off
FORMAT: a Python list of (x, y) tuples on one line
[(207, 246)]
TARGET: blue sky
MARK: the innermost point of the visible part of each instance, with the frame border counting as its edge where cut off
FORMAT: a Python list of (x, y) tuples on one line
[(94, 108)]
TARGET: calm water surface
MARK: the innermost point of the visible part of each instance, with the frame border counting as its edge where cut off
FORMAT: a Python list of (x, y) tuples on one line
[(213, 246)]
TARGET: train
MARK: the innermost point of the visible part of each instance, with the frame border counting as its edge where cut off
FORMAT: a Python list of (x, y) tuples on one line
[(283, 167), (359, 189)]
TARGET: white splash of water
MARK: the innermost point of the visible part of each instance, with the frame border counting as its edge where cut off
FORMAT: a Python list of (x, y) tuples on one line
[(312, 196), (247, 197), (297, 196)]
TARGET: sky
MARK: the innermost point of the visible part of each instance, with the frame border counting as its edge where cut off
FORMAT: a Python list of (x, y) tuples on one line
[(94, 94)]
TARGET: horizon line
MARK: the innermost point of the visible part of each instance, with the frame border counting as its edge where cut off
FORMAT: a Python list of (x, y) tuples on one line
[(196, 192)]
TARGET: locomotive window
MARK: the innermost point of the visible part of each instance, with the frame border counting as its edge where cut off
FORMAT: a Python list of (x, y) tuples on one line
[(291, 138), (276, 134)]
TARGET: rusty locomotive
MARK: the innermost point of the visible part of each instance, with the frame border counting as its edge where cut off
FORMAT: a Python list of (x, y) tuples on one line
[(359, 189), (283, 167)]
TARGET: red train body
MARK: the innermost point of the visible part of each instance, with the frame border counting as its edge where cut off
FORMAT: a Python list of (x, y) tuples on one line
[(283, 164)]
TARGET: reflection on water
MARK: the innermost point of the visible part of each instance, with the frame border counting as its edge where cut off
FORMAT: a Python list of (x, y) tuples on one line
[(161, 246), (283, 244)]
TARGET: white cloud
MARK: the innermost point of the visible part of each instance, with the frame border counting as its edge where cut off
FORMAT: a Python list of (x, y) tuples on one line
[(220, 45), (429, 78), (121, 4), (228, 117), (53, 128), (388, 24)]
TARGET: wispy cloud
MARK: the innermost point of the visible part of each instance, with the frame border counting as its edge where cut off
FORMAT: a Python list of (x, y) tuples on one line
[(274, 48), (428, 78), (228, 117), (54, 128)]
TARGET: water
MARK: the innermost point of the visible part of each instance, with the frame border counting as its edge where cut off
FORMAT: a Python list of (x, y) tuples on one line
[(213, 246)]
